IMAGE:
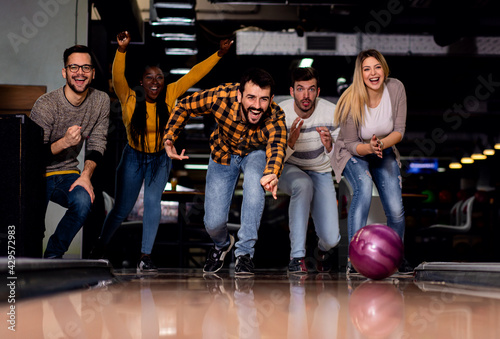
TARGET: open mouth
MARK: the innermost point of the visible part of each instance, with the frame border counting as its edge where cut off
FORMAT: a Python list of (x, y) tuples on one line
[(254, 114), (80, 81), (154, 90), (374, 80), (306, 103)]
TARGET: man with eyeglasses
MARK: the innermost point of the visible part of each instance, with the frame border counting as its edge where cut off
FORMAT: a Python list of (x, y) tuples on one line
[(70, 115)]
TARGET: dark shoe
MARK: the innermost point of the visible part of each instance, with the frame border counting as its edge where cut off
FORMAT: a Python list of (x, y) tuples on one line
[(405, 268), (97, 251), (324, 262), (244, 285), (297, 266), (215, 259), (145, 264), (244, 265)]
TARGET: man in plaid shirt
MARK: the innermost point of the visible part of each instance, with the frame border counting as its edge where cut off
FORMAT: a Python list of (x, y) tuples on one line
[(250, 137)]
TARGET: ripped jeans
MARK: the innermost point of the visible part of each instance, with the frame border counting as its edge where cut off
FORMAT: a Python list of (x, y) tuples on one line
[(361, 173)]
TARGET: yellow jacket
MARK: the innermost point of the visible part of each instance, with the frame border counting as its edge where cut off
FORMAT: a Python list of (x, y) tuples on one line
[(127, 96)]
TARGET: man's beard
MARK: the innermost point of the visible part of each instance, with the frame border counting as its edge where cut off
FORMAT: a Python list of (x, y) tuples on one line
[(306, 109), (76, 90), (246, 112)]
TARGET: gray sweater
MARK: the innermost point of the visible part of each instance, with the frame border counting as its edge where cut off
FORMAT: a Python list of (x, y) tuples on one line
[(55, 114)]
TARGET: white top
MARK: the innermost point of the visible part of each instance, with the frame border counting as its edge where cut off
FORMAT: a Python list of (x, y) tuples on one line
[(309, 153), (378, 120)]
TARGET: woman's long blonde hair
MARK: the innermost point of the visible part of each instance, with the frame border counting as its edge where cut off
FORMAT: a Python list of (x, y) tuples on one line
[(354, 98)]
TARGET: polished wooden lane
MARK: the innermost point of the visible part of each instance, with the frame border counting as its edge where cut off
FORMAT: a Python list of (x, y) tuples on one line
[(187, 304)]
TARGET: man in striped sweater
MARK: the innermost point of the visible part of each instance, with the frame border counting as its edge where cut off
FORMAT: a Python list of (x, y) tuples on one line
[(307, 173)]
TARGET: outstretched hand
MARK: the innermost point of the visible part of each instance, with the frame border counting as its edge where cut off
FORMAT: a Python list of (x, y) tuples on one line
[(123, 39), (172, 152), (294, 132), (224, 46), (326, 138)]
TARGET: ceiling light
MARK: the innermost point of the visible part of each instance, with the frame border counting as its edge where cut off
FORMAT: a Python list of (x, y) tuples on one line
[(455, 164), (306, 62), (466, 159), (489, 151), (196, 167), (478, 156)]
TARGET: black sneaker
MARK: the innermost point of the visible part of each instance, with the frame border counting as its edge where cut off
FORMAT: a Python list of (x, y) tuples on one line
[(98, 251), (297, 266), (145, 264), (215, 259), (405, 268), (244, 265), (324, 262)]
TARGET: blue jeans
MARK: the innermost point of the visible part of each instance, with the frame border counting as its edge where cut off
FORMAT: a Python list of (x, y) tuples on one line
[(78, 204), (310, 193), (134, 169), (361, 173), (220, 186)]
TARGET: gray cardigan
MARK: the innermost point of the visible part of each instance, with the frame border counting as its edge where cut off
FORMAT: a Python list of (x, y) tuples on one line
[(350, 136)]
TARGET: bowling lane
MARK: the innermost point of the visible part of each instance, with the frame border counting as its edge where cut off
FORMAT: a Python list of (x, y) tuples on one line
[(185, 304)]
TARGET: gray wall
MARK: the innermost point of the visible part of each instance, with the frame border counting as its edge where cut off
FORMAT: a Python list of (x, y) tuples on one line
[(34, 35)]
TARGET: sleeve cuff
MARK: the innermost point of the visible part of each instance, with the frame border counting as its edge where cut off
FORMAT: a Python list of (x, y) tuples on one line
[(95, 156)]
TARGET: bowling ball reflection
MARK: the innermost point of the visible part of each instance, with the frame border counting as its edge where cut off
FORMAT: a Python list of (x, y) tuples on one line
[(376, 309)]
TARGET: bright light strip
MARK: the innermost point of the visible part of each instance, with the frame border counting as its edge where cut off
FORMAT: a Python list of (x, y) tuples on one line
[(467, 160), (172, 5), (175, 37), (489, 151), (173, 21), (179, 71), (180, 51), (455, 165), (196, 167), (478, 156), (497, 146), (306, 62)]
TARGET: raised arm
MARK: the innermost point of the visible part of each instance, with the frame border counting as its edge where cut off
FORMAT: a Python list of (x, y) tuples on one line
[(120, 83), (178, 88)]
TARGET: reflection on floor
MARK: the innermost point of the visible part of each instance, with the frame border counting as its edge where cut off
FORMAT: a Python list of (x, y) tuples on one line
[(188, 304)]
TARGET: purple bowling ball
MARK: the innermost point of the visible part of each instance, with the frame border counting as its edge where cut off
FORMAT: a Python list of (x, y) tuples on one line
[(376, 251)]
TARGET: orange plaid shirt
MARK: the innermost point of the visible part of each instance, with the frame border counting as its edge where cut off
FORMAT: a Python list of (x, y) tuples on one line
[(232, 135)]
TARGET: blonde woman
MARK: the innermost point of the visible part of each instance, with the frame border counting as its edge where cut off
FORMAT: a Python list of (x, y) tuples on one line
[(371, 114)]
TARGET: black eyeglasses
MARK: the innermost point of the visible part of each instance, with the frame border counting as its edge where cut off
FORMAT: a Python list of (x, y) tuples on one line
[(74, 68)]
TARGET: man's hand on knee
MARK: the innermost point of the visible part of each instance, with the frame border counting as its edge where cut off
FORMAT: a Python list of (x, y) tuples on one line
[(86, 184)]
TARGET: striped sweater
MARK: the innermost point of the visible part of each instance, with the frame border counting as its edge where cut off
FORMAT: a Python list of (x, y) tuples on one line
[(309, 154)]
